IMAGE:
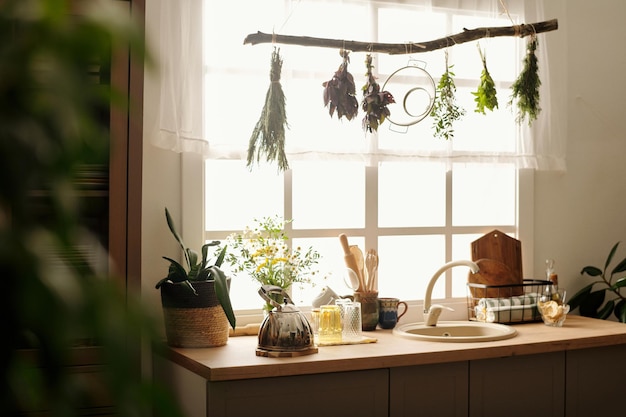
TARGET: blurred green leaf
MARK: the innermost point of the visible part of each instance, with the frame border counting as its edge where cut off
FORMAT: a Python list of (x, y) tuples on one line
[(621, 267), (619, 283), (611, 255), (606, 310), (591, 271), (590, 305), (581, 295), (620, 311)]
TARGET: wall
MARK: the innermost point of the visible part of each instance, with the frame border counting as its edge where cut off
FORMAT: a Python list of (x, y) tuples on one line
[(578, 214), (161, 182)]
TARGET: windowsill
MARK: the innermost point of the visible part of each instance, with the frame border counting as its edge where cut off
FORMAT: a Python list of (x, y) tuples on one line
[(414, 312)]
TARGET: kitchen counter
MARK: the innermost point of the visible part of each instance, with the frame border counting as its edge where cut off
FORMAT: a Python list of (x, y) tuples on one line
[(238, 361)]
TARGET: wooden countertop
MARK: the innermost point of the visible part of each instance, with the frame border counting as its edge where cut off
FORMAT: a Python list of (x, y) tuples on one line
[(238, 360)]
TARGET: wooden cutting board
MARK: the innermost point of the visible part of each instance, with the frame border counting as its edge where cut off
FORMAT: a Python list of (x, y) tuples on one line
[(493, 273), (506, 252)]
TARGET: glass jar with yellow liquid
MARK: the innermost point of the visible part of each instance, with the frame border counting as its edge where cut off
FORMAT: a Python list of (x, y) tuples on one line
[(330, 328)]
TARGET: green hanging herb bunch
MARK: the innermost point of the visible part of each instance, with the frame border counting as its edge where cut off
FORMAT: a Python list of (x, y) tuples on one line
[(340, 91), (526, 87), (268, 137), (374, 102), (445, 110), (485, 96)]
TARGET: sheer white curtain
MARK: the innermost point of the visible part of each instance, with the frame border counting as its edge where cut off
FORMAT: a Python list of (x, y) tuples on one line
[(213, 87)]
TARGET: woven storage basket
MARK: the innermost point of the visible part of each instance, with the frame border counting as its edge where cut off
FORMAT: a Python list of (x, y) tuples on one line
[(193, 321)]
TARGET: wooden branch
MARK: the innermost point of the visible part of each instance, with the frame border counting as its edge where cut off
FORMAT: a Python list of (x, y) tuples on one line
[(467, 35)]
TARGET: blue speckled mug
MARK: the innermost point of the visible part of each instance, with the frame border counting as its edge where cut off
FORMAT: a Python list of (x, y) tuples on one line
[(388, 312)]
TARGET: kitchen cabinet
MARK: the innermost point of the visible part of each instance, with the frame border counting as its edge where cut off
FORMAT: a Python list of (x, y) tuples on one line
[(595, 382), (532, 385), (438, 390), (576, 370), (512, 386), (359, 393)]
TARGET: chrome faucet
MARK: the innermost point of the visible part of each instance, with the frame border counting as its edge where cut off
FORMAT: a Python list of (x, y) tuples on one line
[(432, 312)]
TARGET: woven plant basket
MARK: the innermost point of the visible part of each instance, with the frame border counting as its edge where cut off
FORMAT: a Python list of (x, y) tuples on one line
[(193, 321)]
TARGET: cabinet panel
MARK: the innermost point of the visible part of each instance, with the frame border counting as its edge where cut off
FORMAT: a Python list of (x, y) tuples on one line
[(595, 381), (361, 393), (532, 385), (429, 390)]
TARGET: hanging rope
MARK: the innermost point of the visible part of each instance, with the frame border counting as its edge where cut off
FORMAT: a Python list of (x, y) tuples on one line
[(468, 35)]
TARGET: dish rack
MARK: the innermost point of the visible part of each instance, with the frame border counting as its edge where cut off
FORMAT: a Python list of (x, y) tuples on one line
[(515, 303)]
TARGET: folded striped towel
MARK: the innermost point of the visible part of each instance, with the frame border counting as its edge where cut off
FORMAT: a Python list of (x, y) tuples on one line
[(520, 300), (507, 310), (507, 314)]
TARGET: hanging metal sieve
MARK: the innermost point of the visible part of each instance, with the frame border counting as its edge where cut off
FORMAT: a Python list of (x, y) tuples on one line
[(414, 92)]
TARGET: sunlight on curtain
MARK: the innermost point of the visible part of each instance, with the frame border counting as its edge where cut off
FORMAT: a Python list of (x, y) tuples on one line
[(211, 108)]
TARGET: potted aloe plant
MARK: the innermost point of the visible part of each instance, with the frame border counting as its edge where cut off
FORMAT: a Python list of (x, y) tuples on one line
[(195, 297)]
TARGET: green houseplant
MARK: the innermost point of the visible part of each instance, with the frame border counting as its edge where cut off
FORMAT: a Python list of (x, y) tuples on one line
[(195, 298), (590, 300)]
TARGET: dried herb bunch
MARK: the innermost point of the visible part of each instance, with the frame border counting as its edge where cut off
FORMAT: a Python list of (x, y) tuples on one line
[(268, 137), (445, 110), (340, 91), (526, 87), (374, 102), (485, 96)]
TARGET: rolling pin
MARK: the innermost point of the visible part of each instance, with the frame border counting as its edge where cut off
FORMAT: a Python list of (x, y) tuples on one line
[(350, 260), (247, 330)]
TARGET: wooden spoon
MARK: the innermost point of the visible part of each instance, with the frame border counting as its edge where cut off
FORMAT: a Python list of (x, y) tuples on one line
[(360, 263)]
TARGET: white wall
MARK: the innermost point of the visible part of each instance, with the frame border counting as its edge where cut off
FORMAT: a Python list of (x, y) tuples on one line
[(578, 214), (161, 183)]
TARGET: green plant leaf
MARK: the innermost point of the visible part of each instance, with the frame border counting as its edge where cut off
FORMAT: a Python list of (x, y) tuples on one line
[(610, 257), (621, 267), (591, 271), (581, 295), (179, 239), (192, 256), (176, 271), (619, 283), (620, 311), (590, 305), (606, 311), (221, 256), (221, 289), (161, 282)]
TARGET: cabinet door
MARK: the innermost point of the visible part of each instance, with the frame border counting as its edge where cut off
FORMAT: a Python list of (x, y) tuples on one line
[(532, 385), (359, 393), (429, 390), (595, 381)]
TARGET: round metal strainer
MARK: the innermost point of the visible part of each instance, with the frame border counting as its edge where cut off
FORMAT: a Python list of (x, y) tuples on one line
[(414, 92)]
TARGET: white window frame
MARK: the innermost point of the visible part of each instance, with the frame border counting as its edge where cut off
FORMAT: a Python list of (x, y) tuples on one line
[(193, 208)]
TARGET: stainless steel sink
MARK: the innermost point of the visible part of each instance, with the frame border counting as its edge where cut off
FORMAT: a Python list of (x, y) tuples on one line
[(456, 331)]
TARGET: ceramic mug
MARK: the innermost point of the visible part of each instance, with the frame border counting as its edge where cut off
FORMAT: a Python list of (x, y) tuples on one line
[(388, 311)]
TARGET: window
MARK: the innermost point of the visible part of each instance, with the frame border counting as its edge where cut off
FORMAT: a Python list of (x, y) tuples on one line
[(417, 200)]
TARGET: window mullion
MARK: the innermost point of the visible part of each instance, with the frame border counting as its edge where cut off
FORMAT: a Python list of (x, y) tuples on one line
[(371, 208), (449, 232), (288, 202)]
